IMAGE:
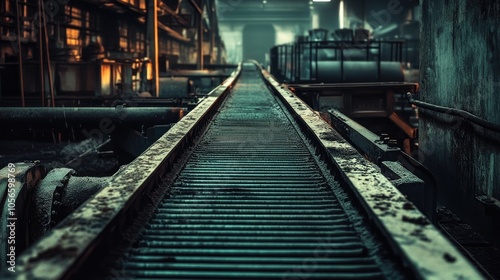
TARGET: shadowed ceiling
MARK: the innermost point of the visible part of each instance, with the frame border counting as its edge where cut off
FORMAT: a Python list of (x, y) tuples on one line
[(263, 10)]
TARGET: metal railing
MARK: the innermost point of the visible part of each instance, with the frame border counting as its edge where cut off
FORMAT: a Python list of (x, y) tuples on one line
[(297, 62)]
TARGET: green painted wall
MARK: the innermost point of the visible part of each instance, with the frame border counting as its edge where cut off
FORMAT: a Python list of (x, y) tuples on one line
[(460, 68)]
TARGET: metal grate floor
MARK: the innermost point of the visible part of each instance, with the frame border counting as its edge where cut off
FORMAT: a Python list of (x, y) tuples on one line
[(251, 203)]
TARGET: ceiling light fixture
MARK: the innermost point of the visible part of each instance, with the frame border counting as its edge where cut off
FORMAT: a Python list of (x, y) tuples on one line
[(341, 14), (322, 0)]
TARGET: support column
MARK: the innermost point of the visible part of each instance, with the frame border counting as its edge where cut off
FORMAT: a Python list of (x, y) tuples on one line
[(152, 31), (200, 42), (213, 28)]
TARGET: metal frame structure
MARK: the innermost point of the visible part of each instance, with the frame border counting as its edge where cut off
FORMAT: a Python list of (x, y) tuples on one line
[(289, 62), (133, 39)]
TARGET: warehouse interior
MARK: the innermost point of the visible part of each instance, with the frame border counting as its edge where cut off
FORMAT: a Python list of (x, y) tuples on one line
[(88, 87)]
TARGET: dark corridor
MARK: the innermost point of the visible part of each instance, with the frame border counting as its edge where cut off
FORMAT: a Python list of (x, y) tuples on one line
[(257, 40)]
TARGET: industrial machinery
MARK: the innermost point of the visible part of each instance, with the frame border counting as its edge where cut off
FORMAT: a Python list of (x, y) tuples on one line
[(90, 53), (360, 76), (349, 59), (357, 84), (282, 196), (131, 150)]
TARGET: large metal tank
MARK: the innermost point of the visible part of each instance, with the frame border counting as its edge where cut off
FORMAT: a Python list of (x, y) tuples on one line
[(357, 71)]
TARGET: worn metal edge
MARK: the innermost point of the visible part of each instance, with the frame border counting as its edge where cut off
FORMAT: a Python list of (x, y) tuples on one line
[(67, 245), (421, 246), (367, 141)]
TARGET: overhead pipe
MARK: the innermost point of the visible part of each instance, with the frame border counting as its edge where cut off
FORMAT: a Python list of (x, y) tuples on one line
[(455, 112), (103, 117)]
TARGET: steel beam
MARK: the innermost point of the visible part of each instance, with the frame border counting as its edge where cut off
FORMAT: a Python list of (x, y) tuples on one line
[(366, 141), (104, 117), (152, 27)]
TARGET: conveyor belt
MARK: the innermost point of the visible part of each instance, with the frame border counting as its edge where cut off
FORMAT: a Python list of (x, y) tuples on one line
[(245, 191), (252, 202)]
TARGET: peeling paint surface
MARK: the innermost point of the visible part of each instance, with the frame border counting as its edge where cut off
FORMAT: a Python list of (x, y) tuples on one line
[(460, 53)]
